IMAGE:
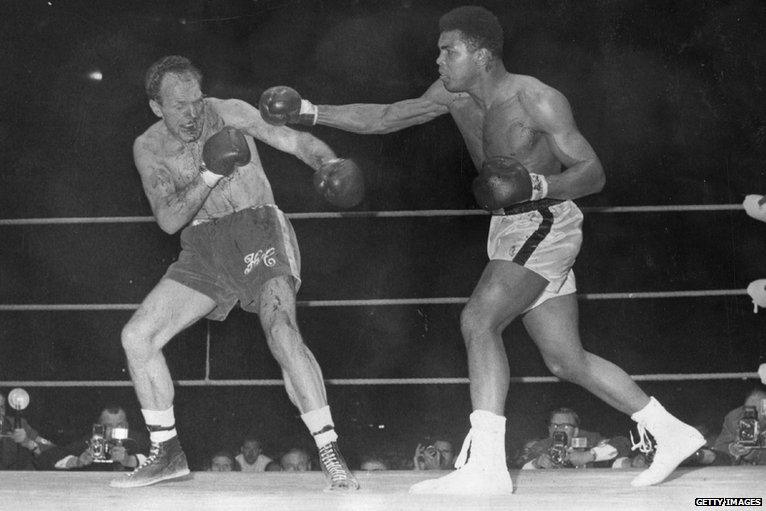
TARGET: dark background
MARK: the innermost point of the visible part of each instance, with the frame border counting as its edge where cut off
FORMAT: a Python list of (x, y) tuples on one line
[(670, 94)]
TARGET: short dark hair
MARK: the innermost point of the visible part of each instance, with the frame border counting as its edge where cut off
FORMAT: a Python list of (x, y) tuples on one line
[(565, 411), (112, 409), (174, 64), (480, 28)]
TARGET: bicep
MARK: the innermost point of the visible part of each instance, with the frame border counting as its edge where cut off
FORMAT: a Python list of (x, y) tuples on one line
[(554, 115), (570, 146)]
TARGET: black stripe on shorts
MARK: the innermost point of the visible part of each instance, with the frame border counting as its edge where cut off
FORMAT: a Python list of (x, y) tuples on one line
[(536, 238)]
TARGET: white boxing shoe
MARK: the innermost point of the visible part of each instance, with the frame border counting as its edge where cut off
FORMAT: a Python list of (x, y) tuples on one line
[(675, 441), (469, 480), (485, 473)]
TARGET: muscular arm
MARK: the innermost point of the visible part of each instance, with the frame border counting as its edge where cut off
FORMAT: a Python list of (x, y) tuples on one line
[(303, 145), (583, 174), (173, 206), (380, 119)]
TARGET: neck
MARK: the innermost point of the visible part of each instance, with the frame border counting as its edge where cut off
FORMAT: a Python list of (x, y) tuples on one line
[(488, 85)]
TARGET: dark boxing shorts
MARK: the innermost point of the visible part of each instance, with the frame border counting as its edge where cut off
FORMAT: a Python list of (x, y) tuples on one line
[(230, 258)]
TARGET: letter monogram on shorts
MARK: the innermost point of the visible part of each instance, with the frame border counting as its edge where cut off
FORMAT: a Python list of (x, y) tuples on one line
[(253, 259)]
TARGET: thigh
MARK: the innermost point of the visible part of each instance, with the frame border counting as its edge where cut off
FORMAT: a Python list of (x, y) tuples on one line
[(554, 326), (504, 291), (169, 308), (277, 300)]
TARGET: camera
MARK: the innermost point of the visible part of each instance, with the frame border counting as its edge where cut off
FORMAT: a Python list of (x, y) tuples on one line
[(103, 439), (558, 450), (747, 427)]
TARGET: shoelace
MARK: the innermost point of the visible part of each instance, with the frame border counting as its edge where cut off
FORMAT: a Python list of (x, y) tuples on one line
[(644, 444), (154, 453), (463, 456), (331, 463)]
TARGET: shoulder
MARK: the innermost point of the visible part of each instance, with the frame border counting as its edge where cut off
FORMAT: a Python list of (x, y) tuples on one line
[(234, 112), (439, 95), (734, 415), (150, 141), (541, 101)]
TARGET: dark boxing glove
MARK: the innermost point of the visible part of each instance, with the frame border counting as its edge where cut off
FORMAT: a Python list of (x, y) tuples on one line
[(340, 182), (504, 181), (223, 152), (282, 105)]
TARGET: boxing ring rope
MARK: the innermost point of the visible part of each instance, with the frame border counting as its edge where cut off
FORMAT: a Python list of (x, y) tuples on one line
[(377, 214), (377, 302)]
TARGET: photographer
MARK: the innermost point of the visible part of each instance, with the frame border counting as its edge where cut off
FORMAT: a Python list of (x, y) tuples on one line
[(434, 454), (110, 446), (569, 446), (20, 444), (743, 434)]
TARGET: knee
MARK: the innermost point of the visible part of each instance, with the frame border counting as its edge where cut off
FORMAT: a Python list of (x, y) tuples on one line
[(570, 368), (475, 325), (136, 342)]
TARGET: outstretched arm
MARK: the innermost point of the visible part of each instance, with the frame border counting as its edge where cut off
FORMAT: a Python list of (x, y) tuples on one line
[(583, 174), (379, 119), (280, 105)]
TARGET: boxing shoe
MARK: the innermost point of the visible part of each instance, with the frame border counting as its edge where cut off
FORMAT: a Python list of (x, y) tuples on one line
[(336, 471), (470, 479), (166, 461), (485, 472), (674, 442)]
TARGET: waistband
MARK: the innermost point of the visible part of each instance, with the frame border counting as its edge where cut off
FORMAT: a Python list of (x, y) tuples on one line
[(199, 221), (526, 207)]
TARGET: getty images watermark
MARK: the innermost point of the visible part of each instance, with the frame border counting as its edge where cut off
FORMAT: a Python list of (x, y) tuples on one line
[(727, 501)]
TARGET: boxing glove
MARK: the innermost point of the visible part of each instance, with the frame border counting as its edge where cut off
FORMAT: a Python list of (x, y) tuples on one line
[(282, 105), (504, 181), (223, 152), (340, 182)]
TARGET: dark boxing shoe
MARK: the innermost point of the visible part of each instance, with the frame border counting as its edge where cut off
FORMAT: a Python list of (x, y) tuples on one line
[(166, 461), (335, 469)]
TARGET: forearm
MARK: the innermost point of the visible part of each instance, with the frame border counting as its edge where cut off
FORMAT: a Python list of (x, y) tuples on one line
[(579, 180), (177, 209), (357, 118), (379, 119), (312, 151)]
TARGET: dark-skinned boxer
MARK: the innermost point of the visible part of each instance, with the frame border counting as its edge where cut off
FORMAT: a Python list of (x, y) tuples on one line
[(533, 162)]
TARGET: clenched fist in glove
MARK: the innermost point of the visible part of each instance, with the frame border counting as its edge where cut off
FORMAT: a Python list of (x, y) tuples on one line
[(340, 182), (504, 181), (282, 105), (223, 152)]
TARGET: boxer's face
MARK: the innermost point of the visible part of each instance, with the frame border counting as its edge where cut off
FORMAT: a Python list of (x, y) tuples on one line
[(459, 66), (182, 106)]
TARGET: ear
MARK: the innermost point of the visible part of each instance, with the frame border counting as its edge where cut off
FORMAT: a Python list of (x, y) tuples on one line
[(155, 108), (482, 57)]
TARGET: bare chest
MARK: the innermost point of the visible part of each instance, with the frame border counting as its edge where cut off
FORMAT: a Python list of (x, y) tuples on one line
[(503, 130)]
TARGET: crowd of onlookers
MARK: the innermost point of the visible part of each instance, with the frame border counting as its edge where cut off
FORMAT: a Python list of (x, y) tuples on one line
[(113, 444)]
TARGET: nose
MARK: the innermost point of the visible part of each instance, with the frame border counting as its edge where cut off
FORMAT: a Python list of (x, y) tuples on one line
[(440, 59)]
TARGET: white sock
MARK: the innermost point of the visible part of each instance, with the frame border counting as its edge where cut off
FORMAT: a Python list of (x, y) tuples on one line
[(652, 409), (162, 419), (487, 440), (320, 425)]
